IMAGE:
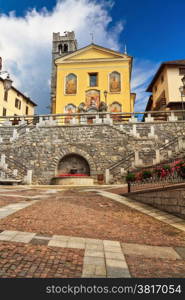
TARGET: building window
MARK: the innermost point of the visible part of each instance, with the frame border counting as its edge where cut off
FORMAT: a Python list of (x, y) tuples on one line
[(93, 79), (115, 82), (182, 71), (18, 103), (155, 88), (6, 95), (4, 112), (27, 109), (162, 79)]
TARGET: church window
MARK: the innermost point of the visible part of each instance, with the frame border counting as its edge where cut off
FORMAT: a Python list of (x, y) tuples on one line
[(71, 84), (93, 79), (115, 82)]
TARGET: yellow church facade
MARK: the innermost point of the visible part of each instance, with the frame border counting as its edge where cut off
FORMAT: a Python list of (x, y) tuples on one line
[(92, 78)]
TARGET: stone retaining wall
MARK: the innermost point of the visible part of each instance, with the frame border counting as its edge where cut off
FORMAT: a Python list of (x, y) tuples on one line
[(41, 148), (170, 199)]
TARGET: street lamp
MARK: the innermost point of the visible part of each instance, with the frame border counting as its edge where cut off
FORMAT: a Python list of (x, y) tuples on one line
[(7, 81), (105, 94), (182, 91)]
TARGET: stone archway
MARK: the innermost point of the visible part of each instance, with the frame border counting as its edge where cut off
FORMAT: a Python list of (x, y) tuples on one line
[(72, 150), (73, 164)]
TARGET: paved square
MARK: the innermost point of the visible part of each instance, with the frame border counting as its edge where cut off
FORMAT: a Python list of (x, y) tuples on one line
[(78, 233)]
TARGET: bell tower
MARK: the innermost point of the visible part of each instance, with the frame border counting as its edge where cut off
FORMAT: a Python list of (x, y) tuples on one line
[(62, 45)]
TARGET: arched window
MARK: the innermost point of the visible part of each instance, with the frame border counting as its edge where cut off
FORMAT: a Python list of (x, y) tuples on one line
[(65, 47), (114, 82), (60, 48), (71, 84)]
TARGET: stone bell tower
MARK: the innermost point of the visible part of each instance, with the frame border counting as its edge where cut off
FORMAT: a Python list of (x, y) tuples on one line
[(62, 45)]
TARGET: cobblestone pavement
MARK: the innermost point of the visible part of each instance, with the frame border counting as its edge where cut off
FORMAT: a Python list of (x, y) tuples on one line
[(82, 233), (26, 260)]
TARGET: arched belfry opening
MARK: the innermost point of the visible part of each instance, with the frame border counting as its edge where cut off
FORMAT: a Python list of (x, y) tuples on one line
[(65, 47), (60, 48), (73, 164)]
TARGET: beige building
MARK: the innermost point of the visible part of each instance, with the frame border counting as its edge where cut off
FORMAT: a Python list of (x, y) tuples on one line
[(13, 102), (165, 87)]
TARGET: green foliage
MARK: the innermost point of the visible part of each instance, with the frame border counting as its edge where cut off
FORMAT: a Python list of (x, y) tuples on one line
[(182, 171), (130, 177), (146, 174), (166, 167)]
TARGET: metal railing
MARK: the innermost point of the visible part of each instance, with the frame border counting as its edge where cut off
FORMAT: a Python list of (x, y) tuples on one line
[(161, 175)]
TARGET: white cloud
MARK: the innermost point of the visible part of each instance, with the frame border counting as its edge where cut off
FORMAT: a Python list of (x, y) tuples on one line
[(143, 71), (25, 45), (25, 42)]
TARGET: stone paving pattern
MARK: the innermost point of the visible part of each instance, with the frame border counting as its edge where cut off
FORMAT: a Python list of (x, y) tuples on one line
[(25, 260), (55, 236), (77, 214)]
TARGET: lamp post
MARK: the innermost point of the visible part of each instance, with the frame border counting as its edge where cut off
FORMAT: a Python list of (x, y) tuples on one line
[(182, 91), (7, 81), (105, 94)]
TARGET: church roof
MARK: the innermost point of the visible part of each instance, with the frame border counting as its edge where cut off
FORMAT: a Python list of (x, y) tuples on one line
[(92, 45)]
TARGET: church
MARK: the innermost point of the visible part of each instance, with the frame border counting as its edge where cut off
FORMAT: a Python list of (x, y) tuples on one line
[(90, 79)]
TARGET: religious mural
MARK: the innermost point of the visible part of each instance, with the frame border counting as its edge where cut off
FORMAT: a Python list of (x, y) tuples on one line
[(71, 84), (69, 109), (115, 82), (92, 99), (115, 107)]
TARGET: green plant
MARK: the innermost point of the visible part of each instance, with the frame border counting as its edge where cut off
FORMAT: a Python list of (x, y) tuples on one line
[(146, 174), (130, 177), (166, 167), (182, 171)]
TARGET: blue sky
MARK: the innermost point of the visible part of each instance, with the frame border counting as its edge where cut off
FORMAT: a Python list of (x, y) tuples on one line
[(154, 31)]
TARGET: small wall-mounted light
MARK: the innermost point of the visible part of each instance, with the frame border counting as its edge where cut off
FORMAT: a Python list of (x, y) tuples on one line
[(7, 83)]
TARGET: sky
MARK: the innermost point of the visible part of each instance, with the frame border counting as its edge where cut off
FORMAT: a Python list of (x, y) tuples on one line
[(154, 31)]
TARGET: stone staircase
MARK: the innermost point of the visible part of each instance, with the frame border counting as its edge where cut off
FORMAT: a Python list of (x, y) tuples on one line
[(11, 171), (147, 157)]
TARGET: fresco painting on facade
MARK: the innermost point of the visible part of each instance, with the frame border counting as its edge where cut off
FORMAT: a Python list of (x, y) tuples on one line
[(92, 99), (71, 84), (69, 109), (115, 82), (116, 107)]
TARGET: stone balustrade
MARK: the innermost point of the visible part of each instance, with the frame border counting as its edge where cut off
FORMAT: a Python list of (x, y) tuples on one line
[(92, 118)]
